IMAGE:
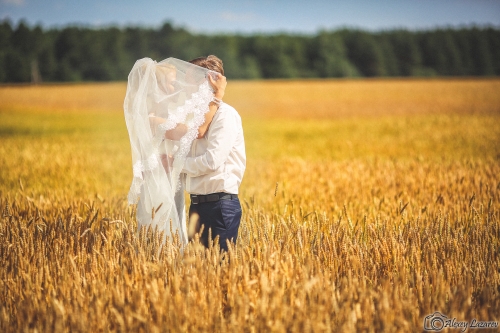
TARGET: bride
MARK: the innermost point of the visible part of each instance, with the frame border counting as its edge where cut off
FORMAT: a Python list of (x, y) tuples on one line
[(167, 106)]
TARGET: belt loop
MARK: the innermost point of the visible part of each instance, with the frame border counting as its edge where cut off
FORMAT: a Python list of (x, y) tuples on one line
[(194, 199)]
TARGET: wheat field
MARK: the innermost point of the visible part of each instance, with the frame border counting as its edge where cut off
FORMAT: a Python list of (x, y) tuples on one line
[(367, 206)]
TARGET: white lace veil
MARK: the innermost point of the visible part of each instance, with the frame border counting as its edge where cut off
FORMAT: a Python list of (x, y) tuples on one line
[(164, 106)]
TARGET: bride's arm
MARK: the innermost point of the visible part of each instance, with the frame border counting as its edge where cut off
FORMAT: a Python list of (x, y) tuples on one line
[(219, 87), (175, 133)]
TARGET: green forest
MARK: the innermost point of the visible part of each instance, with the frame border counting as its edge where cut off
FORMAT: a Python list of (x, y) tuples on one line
[(34, 54)]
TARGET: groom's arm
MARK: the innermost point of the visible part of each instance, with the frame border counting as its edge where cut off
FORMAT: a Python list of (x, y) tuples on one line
[(221, 138)]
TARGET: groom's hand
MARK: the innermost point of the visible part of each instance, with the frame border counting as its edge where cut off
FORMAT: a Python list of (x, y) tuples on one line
[(219, 85)]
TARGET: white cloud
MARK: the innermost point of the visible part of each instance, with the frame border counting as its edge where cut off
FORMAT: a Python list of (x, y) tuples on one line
[(238, 17), (13, 2)]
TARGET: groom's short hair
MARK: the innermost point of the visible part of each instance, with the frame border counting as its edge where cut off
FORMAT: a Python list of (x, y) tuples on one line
[(211, 62)]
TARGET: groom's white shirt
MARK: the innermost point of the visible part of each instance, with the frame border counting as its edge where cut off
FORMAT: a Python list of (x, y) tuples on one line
[(216, 162)]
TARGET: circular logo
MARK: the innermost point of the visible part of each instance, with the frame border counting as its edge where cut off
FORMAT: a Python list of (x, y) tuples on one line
[(437, 323)]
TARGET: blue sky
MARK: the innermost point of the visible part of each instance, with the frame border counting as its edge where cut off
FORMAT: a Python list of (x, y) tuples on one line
[(251, 16)]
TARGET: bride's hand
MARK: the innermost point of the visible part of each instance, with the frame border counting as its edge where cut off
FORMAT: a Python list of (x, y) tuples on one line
[(155, 121), (167, 161), (218, 85)]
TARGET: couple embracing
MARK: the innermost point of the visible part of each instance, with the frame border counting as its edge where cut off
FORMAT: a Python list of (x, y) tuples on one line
[(185, 138)]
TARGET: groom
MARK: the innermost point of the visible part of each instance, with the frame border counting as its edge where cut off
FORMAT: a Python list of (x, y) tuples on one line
[(214, 168)]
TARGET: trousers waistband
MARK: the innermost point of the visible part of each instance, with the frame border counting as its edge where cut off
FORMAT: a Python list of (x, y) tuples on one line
[(213, 197)]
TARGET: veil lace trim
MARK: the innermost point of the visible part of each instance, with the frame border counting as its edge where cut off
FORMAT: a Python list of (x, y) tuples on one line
[(198, 106)]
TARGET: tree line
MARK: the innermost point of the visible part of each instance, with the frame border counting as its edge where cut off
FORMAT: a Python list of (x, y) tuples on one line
[(33, 54)]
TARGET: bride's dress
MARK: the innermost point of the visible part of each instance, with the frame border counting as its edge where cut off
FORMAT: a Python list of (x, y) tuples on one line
[(177, 94)]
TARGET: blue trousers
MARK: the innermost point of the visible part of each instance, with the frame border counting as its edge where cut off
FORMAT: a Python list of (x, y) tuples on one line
[(221, 217)]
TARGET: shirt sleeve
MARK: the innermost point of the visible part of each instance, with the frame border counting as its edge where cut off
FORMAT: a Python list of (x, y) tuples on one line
[(221, 138)]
